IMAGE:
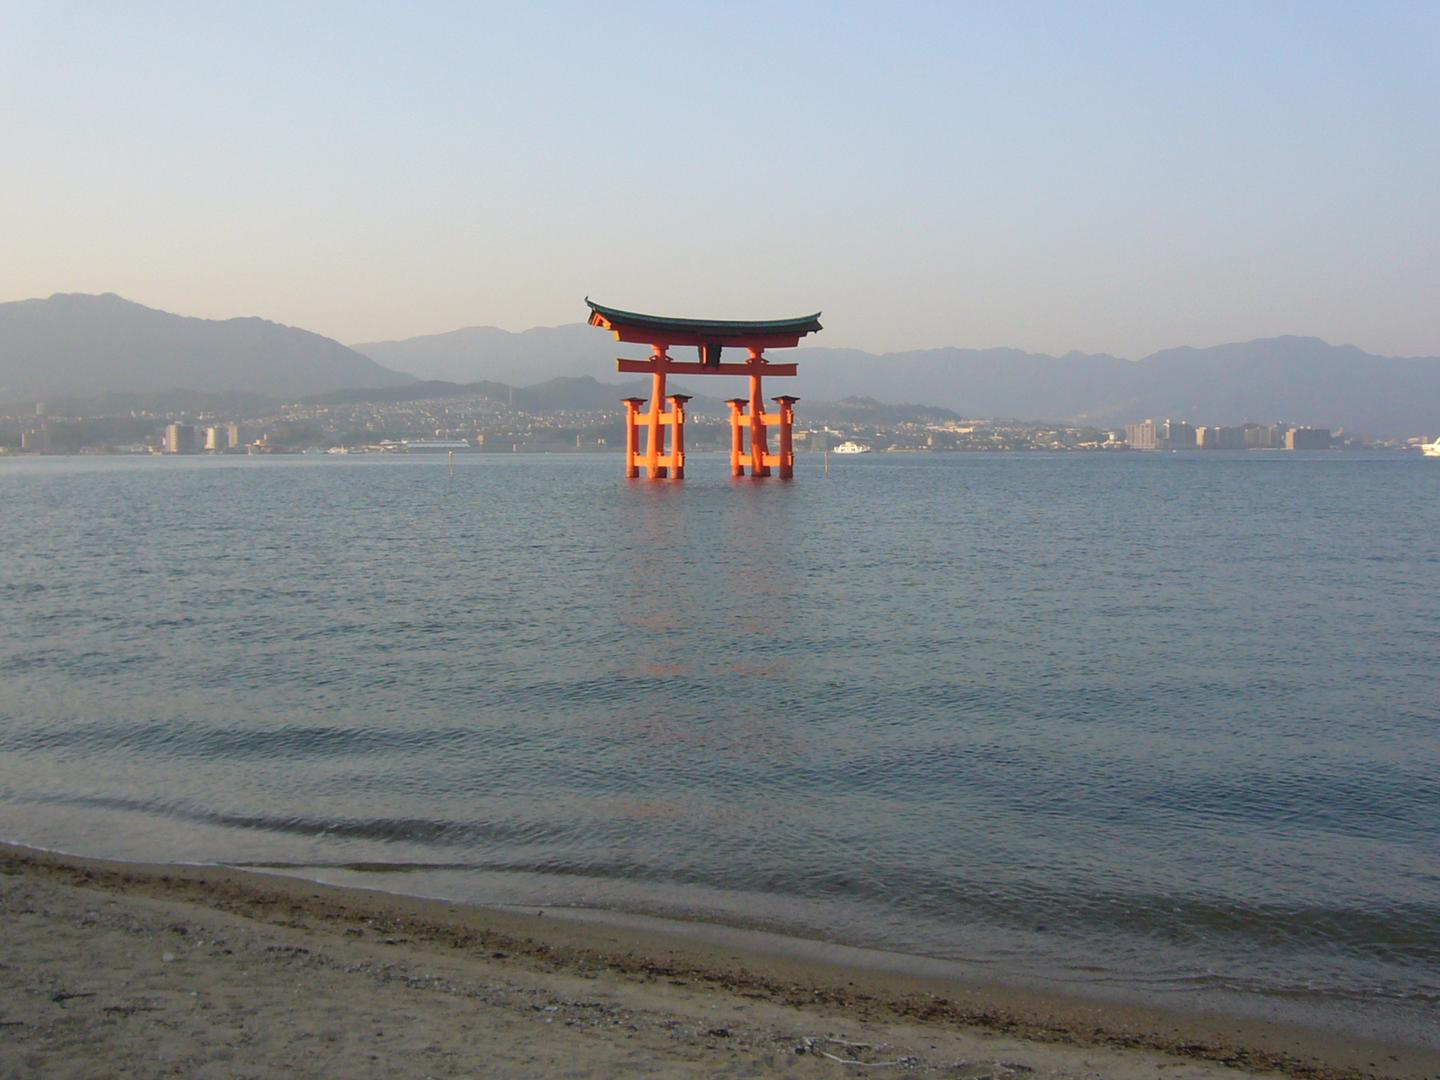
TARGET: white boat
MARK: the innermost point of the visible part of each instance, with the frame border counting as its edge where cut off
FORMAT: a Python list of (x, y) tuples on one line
[(1431, 449), (852, 448)]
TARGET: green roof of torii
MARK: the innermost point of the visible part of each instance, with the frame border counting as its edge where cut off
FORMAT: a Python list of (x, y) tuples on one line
[(706, 329)]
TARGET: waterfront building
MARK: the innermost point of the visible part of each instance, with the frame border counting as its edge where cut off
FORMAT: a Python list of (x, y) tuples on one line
[(234, 435), (1220, 438), (179, 439), (216, 440), (1231, 438), (1304, 438), (1143, 436), (1179, 435), (1259, 436)]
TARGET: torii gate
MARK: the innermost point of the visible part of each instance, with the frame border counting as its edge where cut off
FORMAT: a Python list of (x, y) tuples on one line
[(709, 337)]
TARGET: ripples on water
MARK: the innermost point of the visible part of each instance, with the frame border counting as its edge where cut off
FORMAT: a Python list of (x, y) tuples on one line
[(1158, 721)]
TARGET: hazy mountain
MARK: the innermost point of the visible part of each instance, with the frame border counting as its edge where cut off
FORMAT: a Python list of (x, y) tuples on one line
[(84, 346), (487, 353), (1303, 380), (975, 382), (177, 402)]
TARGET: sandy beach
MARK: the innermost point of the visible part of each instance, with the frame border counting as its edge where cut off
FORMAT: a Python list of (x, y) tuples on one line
[(114, 969)]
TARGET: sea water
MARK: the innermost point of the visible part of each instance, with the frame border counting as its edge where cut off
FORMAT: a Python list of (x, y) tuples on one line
[(1144, 724)]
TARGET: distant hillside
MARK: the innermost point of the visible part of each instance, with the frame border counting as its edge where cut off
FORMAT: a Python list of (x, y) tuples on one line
[(1296, 378), (866, 410), (487, 353), (571, 394), (974, 382), (1300, 379), (74, 345), (429, 390), (177, 402)]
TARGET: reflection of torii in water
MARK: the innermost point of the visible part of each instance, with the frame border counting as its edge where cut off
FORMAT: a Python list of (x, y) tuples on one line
[(708, 337)]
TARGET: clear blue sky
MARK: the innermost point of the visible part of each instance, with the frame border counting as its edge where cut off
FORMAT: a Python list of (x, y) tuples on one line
[(1112, 177)]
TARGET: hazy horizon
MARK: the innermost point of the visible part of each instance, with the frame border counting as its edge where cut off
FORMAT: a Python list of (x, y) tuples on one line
[(1100, 179)]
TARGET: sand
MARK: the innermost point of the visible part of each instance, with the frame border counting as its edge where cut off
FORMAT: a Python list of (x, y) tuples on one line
[(113, 969)]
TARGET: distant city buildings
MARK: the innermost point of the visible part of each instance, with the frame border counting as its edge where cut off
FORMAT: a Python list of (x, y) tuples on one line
[(1304, 438), (36, 440), (1180, 435), (1219, 438), (480, 424), (179, 439), (1143, 436)]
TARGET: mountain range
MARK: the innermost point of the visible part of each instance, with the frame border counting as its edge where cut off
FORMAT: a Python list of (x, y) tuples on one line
[(1300, 379), (74, 345)]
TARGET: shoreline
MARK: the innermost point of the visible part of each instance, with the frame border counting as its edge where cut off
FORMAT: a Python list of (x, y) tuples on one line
[(671, 969)]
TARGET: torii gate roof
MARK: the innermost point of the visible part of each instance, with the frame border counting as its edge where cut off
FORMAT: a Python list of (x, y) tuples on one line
[(664, 330)]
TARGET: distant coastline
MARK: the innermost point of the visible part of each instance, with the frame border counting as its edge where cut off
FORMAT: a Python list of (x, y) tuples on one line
[(581, 416)]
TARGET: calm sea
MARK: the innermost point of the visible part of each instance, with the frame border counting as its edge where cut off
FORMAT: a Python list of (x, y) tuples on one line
[(1151, 724)]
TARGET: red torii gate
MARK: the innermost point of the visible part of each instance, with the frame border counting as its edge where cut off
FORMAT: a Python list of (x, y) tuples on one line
[(709, 337)]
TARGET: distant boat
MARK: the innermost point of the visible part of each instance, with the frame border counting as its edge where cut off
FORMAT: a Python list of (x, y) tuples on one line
[(1431, 449), (852, 448)]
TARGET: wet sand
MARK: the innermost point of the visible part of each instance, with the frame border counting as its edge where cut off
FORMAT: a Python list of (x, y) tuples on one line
[(122, 969)]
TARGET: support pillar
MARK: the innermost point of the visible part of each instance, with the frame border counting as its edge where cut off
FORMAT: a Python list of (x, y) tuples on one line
[(655, 445), (787, 446), (632, 424), (677, 420), (737, 436), (758, 446)]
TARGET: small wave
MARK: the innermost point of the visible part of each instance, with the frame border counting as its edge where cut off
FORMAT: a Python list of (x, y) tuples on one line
[(202, 740)]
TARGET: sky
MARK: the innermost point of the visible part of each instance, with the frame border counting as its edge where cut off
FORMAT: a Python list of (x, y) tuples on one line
[(1109, 177)]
